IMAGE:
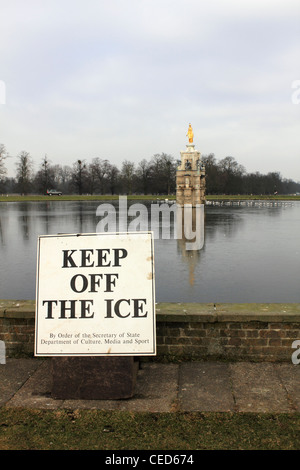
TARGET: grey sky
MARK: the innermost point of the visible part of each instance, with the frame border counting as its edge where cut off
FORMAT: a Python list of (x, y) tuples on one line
[(123, 79)]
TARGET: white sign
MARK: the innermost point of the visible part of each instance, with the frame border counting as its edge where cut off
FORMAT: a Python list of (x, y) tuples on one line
[(95, 295)]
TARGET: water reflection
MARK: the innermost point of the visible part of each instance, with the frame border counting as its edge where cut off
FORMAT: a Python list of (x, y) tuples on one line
[(245, 253)]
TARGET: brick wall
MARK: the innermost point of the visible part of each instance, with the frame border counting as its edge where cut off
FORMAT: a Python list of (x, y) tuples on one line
[(258, 332)]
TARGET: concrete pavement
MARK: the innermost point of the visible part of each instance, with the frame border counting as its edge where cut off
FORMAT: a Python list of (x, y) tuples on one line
[(188, 386)]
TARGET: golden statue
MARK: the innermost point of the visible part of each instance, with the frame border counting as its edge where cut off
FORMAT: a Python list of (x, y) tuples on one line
[(190, 133)]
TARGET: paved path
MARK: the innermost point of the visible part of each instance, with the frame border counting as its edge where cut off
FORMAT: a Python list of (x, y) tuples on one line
[(191, 386)]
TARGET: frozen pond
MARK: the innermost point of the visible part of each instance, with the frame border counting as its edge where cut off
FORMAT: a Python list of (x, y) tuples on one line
[(251, 251)]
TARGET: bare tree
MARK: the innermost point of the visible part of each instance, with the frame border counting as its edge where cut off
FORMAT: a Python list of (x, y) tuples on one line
[(127, 175), (3, 171), (100, 170), (63, 177), (113, 178), (163, 173), (144, 173), (79, 175), (231, 175), (45, 177)]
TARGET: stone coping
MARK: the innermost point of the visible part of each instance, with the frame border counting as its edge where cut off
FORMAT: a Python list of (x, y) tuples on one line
[(188, 312)]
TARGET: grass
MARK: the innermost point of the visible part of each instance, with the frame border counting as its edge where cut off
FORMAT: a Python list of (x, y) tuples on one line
[(150, 197), (27, 429)]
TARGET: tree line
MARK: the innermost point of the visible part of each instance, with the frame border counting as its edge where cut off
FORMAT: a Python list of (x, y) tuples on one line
[(154, 176)]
